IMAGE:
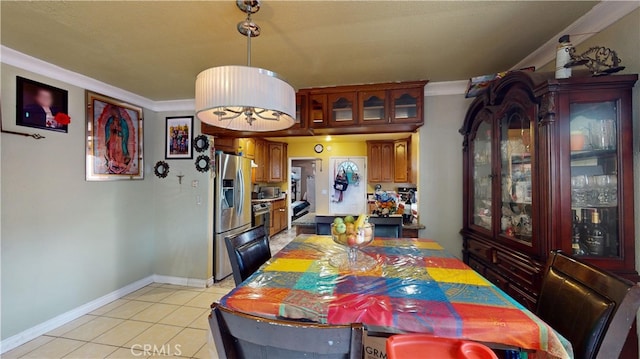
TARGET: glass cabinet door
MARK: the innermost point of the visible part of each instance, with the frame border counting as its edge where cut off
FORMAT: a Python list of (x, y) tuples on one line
[(482, 176), (404, 105), (594, 179), (516, 149), (341, 110), (318, 111), (373, 107), (301, 111)]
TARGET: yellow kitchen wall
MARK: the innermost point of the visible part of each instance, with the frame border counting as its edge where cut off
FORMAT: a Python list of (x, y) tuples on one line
[(331, 148), (303, 148)]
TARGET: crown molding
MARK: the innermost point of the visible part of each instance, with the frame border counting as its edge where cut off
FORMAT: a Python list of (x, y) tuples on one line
[(175, 105), (15, 58), (598, 18), (18, 59)]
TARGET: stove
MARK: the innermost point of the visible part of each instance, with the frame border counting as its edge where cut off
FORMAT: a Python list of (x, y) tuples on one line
[(261, 215)]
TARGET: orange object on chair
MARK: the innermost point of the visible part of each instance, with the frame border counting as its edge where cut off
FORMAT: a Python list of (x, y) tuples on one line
[(414, 346)]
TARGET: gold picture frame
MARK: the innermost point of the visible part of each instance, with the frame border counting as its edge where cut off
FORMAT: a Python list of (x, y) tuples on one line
[(114, 142)]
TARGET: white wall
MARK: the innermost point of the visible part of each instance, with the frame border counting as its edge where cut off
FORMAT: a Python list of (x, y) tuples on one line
[(181, 224), (440, 180), (65, 241)]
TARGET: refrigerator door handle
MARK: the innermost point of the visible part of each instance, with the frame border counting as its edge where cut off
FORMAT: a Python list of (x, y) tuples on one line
[(240, 186)]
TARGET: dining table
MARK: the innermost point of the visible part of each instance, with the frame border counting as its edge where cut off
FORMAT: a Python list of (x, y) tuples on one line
[(414, 286)]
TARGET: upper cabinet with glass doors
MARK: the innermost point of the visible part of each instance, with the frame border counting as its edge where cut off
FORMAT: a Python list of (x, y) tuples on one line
[(367, 108)]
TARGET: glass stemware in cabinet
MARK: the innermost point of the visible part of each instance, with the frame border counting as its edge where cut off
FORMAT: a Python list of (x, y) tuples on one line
[(516, 148), (482, 177), (594, 177)]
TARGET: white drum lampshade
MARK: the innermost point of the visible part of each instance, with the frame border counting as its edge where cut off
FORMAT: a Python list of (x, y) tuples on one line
[(244, 98)]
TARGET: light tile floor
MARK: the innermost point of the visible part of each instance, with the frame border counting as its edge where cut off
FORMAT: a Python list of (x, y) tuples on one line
[(171, 318)]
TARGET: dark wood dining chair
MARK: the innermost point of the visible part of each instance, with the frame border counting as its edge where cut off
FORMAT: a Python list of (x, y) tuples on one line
[(323, 225), (592, 308), (238, 335), (248, 250), (388, 227)]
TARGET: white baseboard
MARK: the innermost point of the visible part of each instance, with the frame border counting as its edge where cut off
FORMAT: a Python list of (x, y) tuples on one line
[(64, 318), (187, 282)]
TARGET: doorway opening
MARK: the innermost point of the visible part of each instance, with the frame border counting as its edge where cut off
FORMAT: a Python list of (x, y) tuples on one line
[(302, 187)]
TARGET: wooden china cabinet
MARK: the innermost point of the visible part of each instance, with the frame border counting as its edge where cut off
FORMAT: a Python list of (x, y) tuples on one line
[(548, 164)]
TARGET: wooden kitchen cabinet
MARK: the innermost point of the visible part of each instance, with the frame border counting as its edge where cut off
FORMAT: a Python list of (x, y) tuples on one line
[(277, 164), (302, 102), (388, 161), (260, 158), (271, 159), (278, 216), (247, 146), (366, 108), (401, 161), (226, 144), (318, 117)]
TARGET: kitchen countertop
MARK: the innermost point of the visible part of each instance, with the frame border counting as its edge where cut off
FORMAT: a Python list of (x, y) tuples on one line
[(309, 219), (284, 196)]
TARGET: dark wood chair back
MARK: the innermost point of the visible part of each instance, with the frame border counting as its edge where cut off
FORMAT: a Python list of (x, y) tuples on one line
[(248, 250), (590, 307), (323, 225), (390, 227), (238, 335)]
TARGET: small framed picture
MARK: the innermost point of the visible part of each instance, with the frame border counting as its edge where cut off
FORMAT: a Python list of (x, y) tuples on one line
[(178, 138), (41, 106), (114, 139)]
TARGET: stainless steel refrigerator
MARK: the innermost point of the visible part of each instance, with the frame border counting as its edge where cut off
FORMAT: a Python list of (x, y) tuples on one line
[(232, 202)]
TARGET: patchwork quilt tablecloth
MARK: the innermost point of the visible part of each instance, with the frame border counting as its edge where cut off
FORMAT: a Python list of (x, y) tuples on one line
[(416, 286)]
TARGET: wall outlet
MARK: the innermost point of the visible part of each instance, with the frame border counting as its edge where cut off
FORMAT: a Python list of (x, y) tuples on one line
[(195, 183)]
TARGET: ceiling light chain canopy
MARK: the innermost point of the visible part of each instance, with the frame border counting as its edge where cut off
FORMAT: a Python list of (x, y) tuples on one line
[(245, 98)]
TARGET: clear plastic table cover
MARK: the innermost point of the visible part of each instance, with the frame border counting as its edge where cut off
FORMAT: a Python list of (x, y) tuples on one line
[(416, 286)]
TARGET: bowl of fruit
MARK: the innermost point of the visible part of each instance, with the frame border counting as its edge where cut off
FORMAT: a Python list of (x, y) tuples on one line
[(353, 234)]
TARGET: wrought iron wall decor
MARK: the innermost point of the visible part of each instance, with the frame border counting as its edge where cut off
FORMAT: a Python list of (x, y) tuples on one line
[(201, 143), (203, 163), (161, 169), (600, 60)]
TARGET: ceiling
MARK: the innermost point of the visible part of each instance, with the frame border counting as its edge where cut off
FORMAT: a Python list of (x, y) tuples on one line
[(155, 49)]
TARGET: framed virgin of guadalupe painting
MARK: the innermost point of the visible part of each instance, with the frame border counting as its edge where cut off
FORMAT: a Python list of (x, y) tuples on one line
[(114, 139)]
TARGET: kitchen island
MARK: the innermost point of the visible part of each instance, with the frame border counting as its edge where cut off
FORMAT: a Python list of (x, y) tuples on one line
[(307, 225)]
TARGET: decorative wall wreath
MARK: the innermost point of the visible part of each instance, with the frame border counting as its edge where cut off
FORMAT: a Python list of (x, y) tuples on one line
[(200, 166), (161, 169), (201, 143)]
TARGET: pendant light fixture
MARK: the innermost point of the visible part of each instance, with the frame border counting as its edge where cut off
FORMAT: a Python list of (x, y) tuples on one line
[(245, 98)]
